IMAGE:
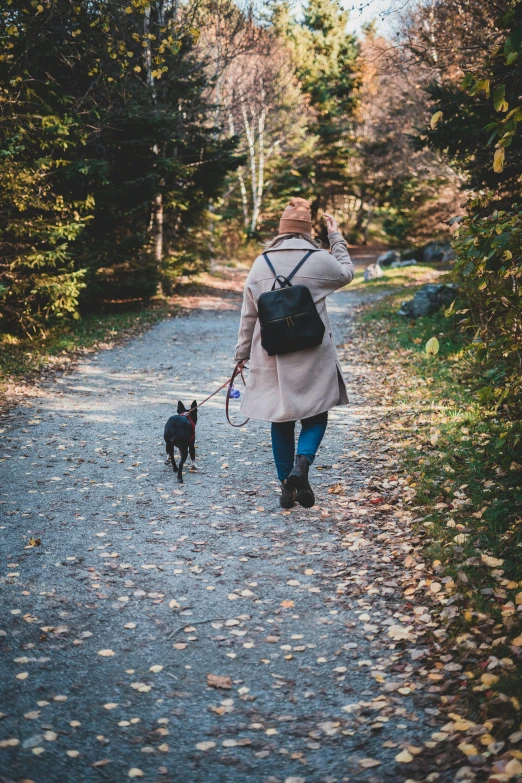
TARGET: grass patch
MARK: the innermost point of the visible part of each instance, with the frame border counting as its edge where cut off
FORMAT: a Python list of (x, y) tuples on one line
[(393, 278), (23, 358), (464, 461)]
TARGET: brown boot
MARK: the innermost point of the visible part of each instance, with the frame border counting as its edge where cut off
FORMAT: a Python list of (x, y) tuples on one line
[(298, 480), (287, 499)]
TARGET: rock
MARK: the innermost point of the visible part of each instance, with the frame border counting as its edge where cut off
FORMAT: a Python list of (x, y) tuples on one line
[(397, 264), (437, 251), (387, 259), (372, 272), (412, 252), (428, 299)]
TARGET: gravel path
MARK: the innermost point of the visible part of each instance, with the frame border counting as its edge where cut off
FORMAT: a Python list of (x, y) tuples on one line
[(141, 588)]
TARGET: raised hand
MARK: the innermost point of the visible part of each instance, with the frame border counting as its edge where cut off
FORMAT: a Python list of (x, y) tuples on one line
[(331, 223)]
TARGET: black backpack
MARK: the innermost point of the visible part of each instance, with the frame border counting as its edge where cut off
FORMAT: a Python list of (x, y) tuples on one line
[(288, 316)]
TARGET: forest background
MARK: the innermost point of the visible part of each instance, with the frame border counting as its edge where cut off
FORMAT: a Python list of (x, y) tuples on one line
[(139, 140)]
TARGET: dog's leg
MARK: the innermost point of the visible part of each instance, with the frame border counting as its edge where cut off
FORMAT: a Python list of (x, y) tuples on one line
[(192, 452), (184, 454), (170, 452), (168, 460)]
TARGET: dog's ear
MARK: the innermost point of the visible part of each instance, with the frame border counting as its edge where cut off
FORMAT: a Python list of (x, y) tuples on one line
[(181, 407), (194, 411)]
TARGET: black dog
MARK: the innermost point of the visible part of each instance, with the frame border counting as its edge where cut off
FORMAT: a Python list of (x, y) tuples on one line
[(180, 431)]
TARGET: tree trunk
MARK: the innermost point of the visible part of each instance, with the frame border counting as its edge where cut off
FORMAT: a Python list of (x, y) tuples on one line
[(157, 227)]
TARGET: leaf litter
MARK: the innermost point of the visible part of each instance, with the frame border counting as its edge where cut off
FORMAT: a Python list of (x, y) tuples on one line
[(358, 590)]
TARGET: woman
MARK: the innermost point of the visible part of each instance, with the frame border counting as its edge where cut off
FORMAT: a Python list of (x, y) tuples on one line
[(303, 384)]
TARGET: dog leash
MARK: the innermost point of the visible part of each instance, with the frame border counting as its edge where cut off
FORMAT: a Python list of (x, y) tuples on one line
[(238, 371)]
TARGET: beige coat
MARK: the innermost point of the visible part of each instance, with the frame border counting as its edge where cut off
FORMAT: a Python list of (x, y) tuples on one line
[(301, 384)]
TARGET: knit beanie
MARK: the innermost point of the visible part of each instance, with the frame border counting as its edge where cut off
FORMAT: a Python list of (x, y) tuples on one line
[(296, 217)]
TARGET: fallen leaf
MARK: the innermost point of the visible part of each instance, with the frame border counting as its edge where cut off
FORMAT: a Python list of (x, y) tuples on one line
[(106, 653), (404, 757), (368, 763), (219, 681), (208, 745), (489, 679), (399, 632), (492, 562), (432, 346)]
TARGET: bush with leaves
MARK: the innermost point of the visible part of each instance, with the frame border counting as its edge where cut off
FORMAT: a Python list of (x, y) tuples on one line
[(488, 267), (475, 118)]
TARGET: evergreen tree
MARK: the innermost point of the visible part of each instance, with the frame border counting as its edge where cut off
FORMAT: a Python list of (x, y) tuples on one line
[(107, 155), (326, 66)]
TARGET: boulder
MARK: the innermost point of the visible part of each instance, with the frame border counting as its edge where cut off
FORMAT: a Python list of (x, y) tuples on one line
[(397, 264), (437, 251), (372, 272), (429, 299), (387, 259), (412, 252)]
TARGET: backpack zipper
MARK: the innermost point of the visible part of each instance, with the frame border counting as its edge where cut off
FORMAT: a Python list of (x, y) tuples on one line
[(288, 318)]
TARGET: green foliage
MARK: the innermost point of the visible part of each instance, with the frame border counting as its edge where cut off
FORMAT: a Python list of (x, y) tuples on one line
[(478, 118), (488, 267), (107, 158), (457, 447)]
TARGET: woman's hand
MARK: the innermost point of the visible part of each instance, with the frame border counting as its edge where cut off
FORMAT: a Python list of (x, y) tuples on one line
[(331, 223)]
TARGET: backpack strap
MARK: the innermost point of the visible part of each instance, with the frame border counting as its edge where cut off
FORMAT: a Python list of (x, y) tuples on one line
[(285, 281), (300, 264)]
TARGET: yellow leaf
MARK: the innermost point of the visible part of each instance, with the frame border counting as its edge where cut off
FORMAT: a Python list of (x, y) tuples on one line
[(435, 119), (518, 599), (517, 642), (106, 653), (489, 679), (467, 749), (432, 346), (287, 603), (404, 757), (498, 160)]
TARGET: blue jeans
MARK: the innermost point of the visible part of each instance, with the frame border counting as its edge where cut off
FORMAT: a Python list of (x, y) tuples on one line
[(283, 442)]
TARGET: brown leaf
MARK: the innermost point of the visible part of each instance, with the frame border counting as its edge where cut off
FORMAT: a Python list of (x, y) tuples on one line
[(219, 681)]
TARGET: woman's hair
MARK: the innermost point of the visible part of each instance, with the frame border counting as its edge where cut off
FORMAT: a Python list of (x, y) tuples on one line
[(271, 243)]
